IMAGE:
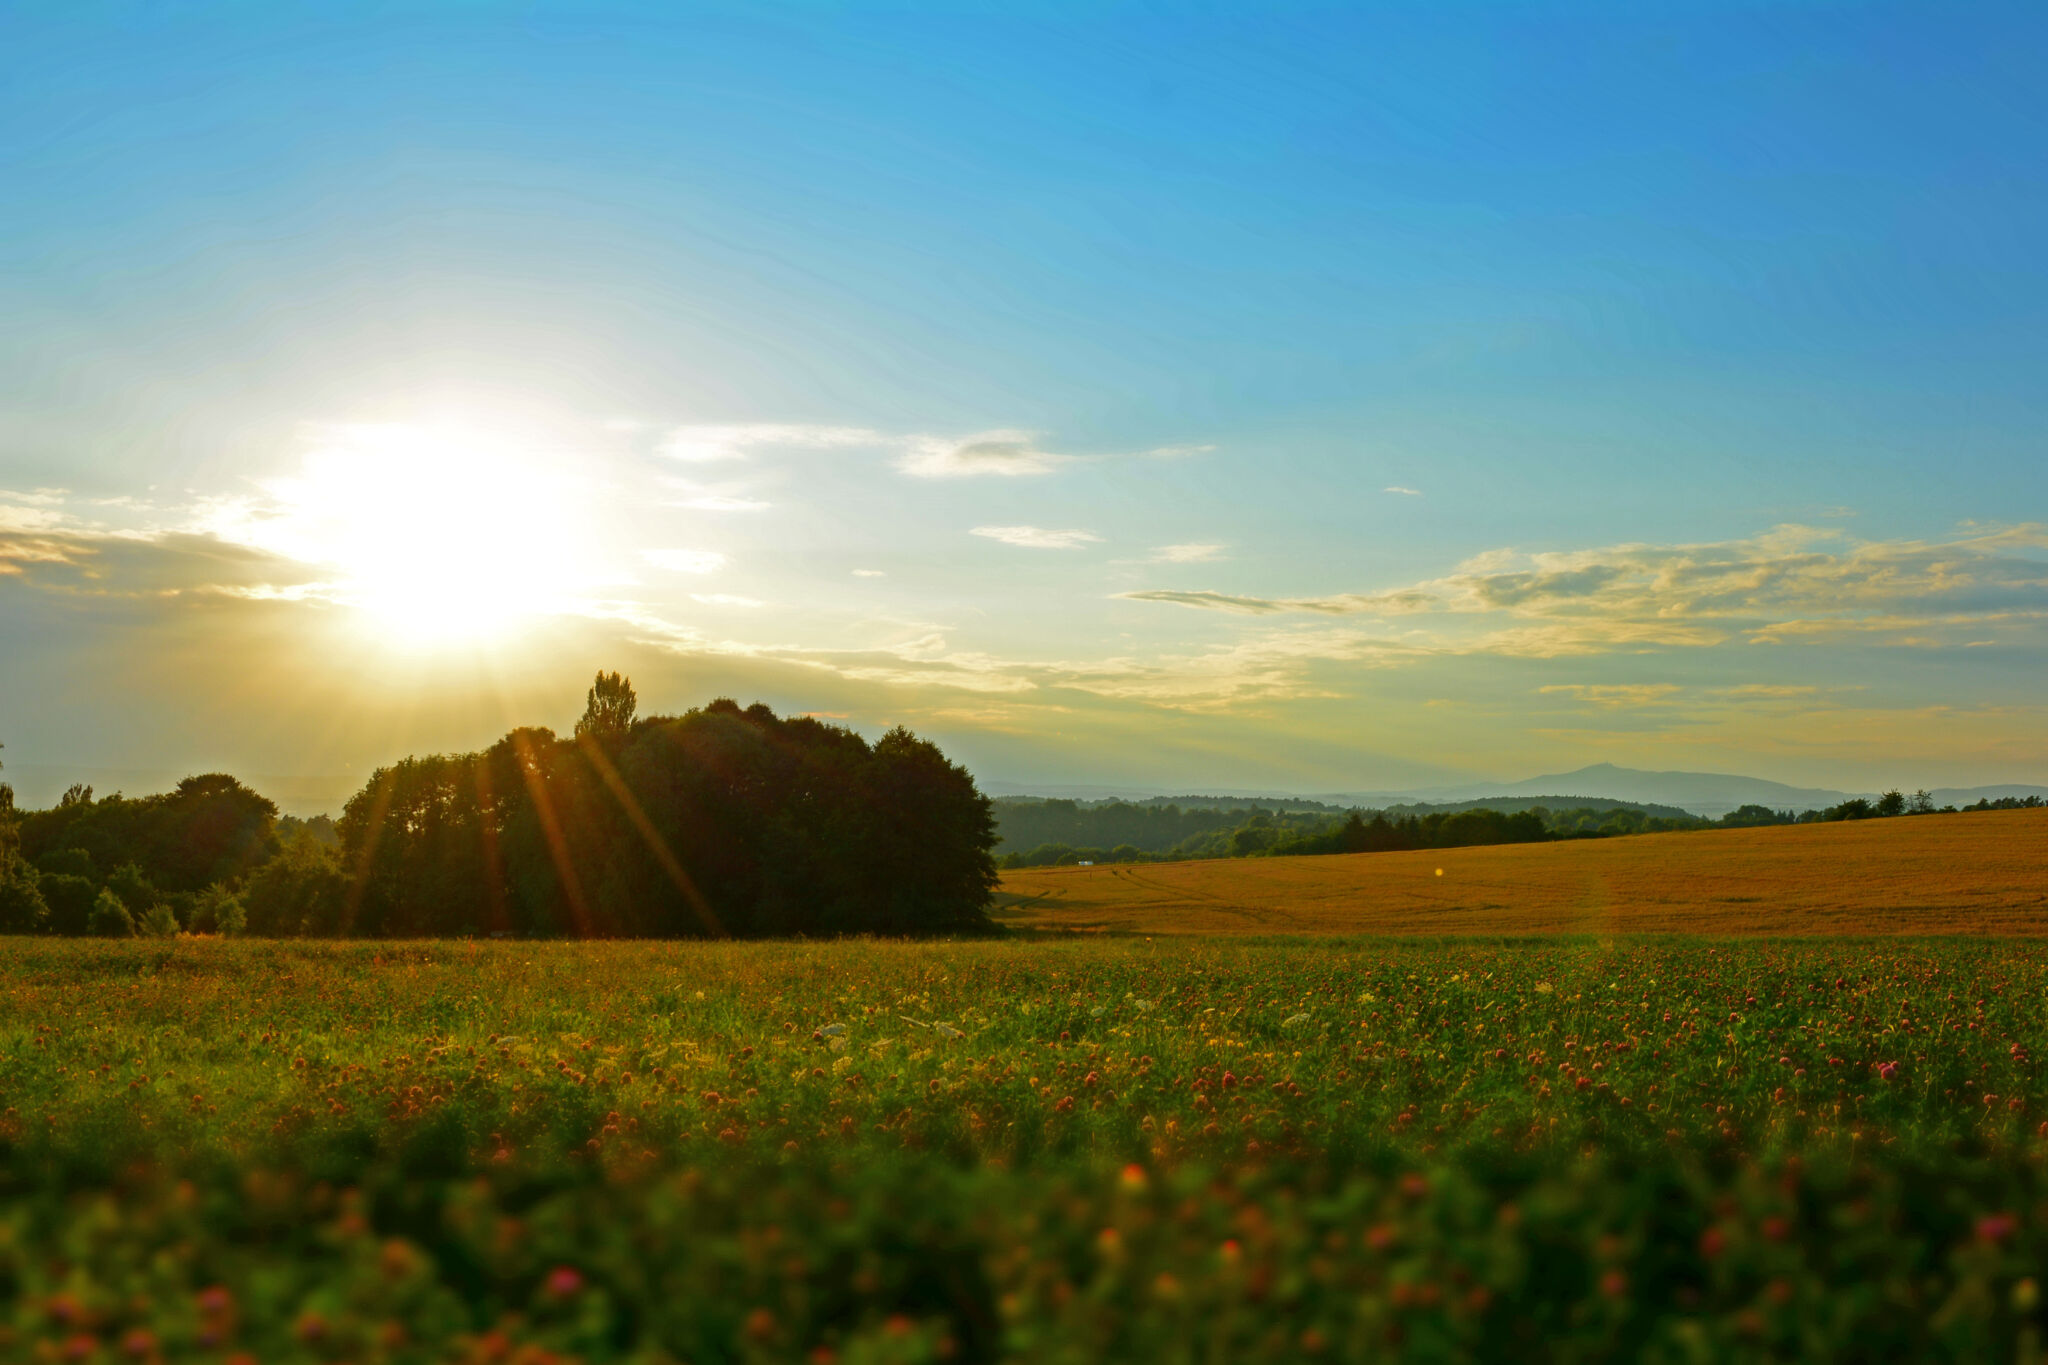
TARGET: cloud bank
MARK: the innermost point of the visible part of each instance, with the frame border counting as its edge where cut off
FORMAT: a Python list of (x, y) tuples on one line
[(1788, 584)]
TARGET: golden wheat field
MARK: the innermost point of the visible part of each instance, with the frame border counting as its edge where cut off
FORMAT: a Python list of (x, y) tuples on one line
[(1979, 872)]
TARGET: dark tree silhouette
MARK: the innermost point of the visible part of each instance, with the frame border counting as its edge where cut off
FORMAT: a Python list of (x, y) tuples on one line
[(608, 709), (209, 829), (718, 822)]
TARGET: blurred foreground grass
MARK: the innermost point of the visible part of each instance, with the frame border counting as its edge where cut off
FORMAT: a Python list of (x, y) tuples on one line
[(1571, 1149)]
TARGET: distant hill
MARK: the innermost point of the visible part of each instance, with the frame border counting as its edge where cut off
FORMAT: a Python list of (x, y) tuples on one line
[(1710, 794), (1177, 825), (1661, 793), (1715, 794), (1514, 805)]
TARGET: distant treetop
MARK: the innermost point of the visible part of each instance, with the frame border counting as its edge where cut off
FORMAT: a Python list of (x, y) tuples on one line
[(608, 708)]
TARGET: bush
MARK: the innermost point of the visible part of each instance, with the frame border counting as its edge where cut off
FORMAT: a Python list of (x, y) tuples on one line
[(110, 918), (300, 891), (159, 921), (217, 910), (70, 899), (128, 882), (22, 909)]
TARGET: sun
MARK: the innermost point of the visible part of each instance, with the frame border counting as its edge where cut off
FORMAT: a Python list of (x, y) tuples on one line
[(438, 534)]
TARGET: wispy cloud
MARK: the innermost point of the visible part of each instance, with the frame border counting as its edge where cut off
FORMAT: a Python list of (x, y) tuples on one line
[(1187, 554), (712, 497), (722, 502), (1037, 537), (1615, 696), (711, 443), (1007, 454), (1396, 603), (869, 573), (685, 561), (1003, 454), (724, 599), (1763, 692), (1787, 584), (1404, 492)]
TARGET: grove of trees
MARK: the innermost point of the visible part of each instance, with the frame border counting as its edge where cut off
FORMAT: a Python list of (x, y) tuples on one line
[(722, 821)]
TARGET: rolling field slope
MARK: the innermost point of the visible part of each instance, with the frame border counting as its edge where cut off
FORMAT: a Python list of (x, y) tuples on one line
[(1982, 872)]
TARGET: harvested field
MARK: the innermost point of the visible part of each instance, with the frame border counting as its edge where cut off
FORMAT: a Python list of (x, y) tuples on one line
[(1980, 872)]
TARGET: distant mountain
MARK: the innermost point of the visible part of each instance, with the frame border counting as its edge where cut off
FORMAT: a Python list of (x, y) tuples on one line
[(1710, 794), (1513, 805), (1714, 794)]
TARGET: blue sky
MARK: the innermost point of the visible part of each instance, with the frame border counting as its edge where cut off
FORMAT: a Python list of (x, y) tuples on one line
[(1038, 377)]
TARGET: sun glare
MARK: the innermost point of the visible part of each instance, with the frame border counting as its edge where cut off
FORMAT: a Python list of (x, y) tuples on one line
[(439, 535)]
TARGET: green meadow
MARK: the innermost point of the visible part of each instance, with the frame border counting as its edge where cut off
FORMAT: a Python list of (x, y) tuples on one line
[(1050, 1150)]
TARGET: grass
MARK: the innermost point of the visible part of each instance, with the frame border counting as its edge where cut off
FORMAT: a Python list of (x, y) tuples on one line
[(1184, 1150), (1978, 872)]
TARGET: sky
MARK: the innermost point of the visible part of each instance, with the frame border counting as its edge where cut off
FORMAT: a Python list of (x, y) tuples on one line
[(1188, 398)]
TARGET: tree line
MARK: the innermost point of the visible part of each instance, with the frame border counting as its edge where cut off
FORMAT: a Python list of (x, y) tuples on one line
[(1260, 833), (722, 821), (1283, 834)]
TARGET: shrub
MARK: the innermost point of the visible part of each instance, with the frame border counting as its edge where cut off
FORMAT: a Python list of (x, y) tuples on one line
[(133, 887), (110, 918), (70, 899), (300, 891), (22, 909), (217, 910)]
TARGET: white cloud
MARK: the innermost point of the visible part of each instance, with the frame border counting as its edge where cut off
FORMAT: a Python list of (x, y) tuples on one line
[(712, 497), (37, 511), (685, 561), (1002, 452), (1006, 454), (720, 502), (1036, 537), (724, 599), (1787, 584), (1399, 602), (1404, 492), (709, 443), (869, 573), (1186, 554)]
